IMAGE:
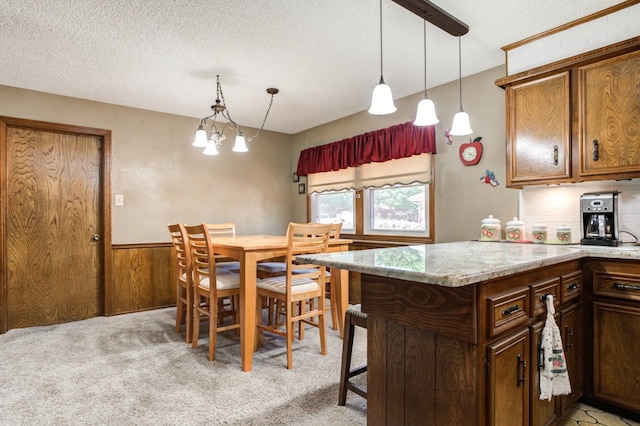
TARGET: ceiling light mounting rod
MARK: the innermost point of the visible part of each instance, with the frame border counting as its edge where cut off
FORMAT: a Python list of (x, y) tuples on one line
[(212, 142), (435, 15)]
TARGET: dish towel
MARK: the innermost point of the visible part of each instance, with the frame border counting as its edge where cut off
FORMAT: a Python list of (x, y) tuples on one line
[(554, 378)]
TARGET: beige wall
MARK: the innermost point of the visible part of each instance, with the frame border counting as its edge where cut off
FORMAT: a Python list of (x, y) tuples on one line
[(163, 178), (461, 200)]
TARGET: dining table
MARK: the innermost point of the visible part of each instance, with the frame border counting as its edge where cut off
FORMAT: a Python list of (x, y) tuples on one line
[(249, 250)]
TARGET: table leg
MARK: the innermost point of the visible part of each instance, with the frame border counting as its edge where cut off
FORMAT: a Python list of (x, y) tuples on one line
[(341, 277), (247, 310)]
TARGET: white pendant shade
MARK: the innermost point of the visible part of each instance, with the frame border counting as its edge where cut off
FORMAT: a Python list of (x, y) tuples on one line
[(426, 113), (461, 125), (240, 144), (210, 149), (382, 100), (200, 140)]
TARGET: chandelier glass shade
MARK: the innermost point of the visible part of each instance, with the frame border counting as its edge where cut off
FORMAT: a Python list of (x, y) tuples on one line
[(210, 132)]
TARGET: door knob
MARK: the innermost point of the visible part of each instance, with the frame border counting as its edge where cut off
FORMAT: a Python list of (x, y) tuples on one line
[(95, 237)]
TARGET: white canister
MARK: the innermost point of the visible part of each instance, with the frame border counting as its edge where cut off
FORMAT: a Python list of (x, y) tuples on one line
[(491, 229), (539, 233), (514, 230), (563, 234)]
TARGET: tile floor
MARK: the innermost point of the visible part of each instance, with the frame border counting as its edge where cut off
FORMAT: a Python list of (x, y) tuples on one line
[(582, 414)]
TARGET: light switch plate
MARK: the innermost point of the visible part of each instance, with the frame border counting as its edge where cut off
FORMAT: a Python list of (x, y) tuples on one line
[(119, 200)]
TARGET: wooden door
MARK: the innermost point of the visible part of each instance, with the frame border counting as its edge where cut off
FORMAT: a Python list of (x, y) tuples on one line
[(508, 387), (54, 212), (538, 131), (609, 116)]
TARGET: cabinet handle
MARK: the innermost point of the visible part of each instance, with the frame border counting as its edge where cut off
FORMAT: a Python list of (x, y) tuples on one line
[(568, 337), (521, 367), (555, 155), (595, 150), (620, 286), (510, 310), (540, 357), (573, 286), (543, 297)]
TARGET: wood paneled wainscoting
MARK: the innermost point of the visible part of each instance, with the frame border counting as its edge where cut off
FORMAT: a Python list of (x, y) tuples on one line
[(142, 277)]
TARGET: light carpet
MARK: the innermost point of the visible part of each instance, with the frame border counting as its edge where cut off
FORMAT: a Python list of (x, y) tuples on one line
[(134, 369)]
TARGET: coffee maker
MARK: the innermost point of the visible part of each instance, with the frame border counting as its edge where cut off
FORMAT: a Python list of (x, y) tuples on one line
[(599, 218)]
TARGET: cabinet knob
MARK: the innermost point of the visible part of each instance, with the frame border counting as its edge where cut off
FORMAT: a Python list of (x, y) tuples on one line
[(555, 155), (595, 150)]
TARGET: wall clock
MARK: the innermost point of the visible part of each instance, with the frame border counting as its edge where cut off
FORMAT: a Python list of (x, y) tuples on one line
[(471, 152)]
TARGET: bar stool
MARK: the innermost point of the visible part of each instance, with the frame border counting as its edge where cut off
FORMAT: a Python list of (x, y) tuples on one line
[(354, 316)]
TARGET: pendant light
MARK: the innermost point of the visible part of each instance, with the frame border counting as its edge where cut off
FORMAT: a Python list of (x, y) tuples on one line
[(381, 100), (426, 112), (460, 125)]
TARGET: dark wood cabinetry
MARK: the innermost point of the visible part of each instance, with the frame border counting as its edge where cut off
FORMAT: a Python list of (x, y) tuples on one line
[(466, 355), (508, 392), (575, 120), (539, 122), (616, 333), (610, 117)]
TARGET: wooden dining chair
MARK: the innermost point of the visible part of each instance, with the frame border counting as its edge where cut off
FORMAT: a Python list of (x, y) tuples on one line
[(227, 229), (330, 291), (301, 295), (183, 278), (210, 284)]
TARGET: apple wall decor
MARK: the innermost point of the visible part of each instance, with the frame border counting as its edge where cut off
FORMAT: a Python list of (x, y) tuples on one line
[(471, 152)]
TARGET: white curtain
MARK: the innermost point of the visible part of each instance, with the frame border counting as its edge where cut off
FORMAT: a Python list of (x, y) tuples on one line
[(405, 171)]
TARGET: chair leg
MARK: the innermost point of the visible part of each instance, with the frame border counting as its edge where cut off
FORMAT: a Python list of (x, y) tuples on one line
[(347, 349), (322, 326), (301, 307), (213, 332), (180, 313), (289, 330), (196, 328)]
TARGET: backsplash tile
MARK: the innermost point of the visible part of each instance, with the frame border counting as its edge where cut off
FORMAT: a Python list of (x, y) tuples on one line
[(560, 205)]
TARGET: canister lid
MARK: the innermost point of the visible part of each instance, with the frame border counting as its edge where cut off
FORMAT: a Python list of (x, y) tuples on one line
[(563, 228), (490, 220), (515, 222), (539, 225)]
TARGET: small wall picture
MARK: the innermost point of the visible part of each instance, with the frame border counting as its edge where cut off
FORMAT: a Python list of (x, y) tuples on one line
[(301, 188), (296, 178)]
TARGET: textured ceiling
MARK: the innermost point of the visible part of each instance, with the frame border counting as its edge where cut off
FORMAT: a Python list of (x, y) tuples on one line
[(323, 55)]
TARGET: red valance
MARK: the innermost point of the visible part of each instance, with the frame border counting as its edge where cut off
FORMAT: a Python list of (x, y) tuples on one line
[(400, 141)]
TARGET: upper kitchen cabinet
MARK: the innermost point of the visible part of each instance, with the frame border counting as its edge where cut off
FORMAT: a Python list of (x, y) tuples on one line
[(538, 132), (575, 120), (610, 118)]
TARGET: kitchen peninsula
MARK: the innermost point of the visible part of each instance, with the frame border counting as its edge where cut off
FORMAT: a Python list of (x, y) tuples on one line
[(453, 329)]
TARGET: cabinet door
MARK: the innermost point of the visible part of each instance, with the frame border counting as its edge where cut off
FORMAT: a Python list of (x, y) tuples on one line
[(572, 340), (542, 412), (538, 131), (610, 117), (616, 350), (508, 388)]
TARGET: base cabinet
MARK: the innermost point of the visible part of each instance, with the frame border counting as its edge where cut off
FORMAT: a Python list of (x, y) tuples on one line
[(542, 411), (571, 320), (508, 391), (616, 351)]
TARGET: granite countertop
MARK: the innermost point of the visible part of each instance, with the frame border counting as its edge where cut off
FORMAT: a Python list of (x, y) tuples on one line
[(462, 263)]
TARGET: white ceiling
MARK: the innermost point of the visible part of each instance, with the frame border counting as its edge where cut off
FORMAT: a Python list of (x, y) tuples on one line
[(323, 55)]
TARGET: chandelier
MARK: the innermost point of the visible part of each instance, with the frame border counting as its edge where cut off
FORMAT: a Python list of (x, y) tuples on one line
[(210, 133)]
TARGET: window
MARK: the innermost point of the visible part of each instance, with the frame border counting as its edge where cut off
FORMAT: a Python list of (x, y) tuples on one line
[(378, 201), (334, 207), (397, 210)]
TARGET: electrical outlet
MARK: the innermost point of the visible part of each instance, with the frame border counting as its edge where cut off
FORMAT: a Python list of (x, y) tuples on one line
[(119, 200)]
